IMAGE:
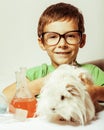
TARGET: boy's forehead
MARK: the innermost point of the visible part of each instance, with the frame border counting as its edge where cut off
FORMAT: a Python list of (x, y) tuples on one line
[(61, 26)]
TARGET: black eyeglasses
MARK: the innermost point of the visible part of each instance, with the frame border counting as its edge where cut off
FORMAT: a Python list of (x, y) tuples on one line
[(53, 38)]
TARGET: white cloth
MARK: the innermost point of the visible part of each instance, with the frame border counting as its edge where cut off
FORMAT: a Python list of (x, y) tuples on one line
[(7, 121)]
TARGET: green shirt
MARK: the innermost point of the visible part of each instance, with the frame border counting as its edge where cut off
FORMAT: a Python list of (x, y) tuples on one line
[(44, 69)]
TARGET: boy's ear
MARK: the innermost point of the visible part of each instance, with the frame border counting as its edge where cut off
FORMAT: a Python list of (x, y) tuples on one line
[(83, 41), (41, 44)]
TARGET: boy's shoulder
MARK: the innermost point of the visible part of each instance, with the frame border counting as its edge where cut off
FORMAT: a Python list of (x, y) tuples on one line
[(89, 66), (39, 71)]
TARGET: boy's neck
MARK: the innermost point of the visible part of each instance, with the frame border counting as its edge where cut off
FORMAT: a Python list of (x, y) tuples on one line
[(74, 63)]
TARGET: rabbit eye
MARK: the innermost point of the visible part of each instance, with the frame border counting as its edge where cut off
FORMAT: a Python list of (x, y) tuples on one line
[(62, 97)]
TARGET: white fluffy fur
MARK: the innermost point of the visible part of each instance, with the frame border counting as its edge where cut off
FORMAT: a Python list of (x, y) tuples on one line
[(64, 96)]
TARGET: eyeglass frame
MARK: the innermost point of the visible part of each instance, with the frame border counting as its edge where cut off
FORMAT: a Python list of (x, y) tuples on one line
[(62, 36)]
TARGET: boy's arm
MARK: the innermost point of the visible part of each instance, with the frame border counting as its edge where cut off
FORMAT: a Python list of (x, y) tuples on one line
[(96, 93), (34, 87), (9, 91)]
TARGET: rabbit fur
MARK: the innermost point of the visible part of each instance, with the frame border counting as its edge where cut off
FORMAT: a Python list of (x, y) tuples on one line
[(64, 96)]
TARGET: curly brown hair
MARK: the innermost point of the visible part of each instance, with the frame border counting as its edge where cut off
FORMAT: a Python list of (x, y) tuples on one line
[(60, 11)]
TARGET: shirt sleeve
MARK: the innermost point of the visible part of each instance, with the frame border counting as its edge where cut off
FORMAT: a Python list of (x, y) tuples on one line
[(37, 72), (97, 74)]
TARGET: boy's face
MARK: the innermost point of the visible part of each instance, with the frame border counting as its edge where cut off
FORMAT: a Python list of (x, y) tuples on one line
[(62, 52)]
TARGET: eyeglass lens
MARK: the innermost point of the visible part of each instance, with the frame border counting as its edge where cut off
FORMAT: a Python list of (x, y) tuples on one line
[(52, 38)]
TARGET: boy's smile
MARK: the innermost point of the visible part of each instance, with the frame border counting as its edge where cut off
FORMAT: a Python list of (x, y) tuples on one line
[(62, 52)]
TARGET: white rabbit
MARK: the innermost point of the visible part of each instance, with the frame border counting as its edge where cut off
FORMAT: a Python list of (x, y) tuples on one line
[(64, 96)]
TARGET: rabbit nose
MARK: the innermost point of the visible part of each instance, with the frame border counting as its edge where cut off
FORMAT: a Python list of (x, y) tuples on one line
[(53, 109)]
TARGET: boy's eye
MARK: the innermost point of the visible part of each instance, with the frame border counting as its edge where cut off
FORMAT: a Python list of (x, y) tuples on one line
[(52, 36), (70, 35)]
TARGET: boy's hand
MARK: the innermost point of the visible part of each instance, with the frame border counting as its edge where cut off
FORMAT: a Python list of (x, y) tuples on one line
[(96, 93)]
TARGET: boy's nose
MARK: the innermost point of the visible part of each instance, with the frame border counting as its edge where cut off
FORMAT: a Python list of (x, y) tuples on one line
[(62, 42)]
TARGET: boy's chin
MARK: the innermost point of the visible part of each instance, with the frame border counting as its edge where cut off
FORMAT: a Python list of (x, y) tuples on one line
[(64, 62)]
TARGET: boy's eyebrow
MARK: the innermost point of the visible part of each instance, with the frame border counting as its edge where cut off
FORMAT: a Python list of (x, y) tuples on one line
[(63, 33)]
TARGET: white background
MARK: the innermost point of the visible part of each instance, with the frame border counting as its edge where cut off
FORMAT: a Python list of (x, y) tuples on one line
[(18, 34)]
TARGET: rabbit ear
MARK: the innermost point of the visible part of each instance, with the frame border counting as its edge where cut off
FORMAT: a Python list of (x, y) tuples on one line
[(73, 90), (86, 78)]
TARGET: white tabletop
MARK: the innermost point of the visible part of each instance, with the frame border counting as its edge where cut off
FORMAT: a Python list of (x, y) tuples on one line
[(7, 121)]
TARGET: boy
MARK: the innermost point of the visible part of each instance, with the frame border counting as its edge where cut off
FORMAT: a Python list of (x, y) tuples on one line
[(61, 34)]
